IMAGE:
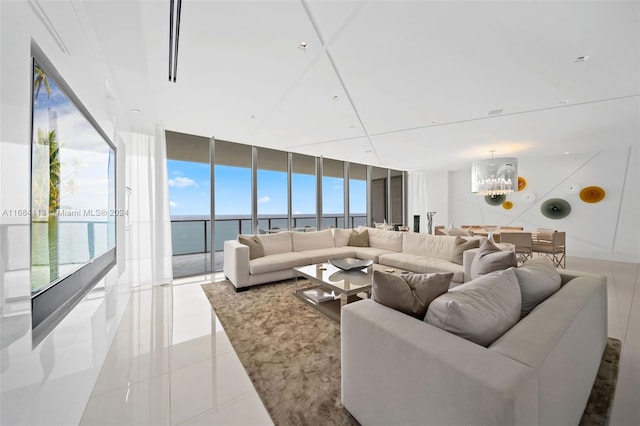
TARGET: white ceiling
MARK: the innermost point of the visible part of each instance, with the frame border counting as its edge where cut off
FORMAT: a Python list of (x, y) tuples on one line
[(415, 80)]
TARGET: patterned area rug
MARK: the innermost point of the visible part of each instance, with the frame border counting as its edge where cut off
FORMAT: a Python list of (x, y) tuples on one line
[(292, 356)]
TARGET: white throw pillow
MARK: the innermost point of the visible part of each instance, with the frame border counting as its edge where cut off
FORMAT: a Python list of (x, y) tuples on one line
[(481, 310), (538, 279)]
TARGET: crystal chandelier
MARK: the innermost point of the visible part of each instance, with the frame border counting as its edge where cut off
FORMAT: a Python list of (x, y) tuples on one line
[(495, 176)]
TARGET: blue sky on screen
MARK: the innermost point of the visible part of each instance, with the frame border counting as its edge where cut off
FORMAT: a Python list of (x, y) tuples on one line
[(189, 191)]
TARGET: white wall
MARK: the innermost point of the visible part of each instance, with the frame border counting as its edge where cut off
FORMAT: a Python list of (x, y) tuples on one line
[(605, 230), (51, 383)]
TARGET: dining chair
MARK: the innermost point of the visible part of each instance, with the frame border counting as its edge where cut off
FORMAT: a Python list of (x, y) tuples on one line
[(522, 241), (551, 244)]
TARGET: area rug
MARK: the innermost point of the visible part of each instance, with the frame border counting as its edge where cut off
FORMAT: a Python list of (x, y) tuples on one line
[(292, 355)]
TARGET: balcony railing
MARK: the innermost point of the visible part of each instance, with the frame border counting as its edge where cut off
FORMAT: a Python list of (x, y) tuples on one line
[(190, 235)]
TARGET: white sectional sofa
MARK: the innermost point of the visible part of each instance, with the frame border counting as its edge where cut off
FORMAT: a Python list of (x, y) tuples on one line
[(286, 250), (403, 371)]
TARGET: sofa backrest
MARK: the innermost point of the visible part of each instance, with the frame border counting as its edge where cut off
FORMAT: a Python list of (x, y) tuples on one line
[(386, 240), (435, 246), (312, 240), (280, 242), (341, 236)]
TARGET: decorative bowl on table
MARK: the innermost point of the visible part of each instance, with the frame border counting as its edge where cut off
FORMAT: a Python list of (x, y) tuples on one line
[(350, 264)]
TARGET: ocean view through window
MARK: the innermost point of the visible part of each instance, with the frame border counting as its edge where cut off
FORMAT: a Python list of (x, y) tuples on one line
[(255, 190)]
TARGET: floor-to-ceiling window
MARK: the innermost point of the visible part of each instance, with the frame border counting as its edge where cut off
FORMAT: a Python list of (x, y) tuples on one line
[(397, 197), (283, 196), (303, 191), (232, 173), (332, 194), (272, 195), (357, 195), (190, 203), (378, 194)]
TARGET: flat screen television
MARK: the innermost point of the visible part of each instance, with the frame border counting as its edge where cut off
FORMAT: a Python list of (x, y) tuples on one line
[(73, 209)]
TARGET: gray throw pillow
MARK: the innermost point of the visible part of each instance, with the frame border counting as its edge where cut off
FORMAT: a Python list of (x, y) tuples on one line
[(359, 239), (256, 249), (490, 258), (409, 293), (538, 279), (461, 245), (481, 310)]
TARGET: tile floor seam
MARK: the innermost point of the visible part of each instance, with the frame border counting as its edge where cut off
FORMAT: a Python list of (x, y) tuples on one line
[(217, 408)]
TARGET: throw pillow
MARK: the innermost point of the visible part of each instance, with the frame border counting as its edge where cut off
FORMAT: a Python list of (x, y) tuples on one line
[(409, 293), (359, 239), (490, 258), (455, 232), (461, 245), (256, 249), (538, 279), (481, 310)]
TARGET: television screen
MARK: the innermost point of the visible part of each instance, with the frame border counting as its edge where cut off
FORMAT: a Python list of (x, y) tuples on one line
[(72, 185)]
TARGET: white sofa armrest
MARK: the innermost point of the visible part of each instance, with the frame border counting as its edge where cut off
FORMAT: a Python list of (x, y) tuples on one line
[(399, 370), (236, 263)]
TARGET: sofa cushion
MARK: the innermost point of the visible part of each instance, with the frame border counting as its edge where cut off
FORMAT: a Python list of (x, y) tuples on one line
[(438, 246), (461, 245), (370, 253), (490, 258), (279, 242), (421, 264), (359, 238), (387, 240), (341, 237), (323, 255), (481, 310), (256, 249), (277, 262), (408, 293), (312, 240), (538, 279)]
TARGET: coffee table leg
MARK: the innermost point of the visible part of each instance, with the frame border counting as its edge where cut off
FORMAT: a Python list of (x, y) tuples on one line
[(343, 299)]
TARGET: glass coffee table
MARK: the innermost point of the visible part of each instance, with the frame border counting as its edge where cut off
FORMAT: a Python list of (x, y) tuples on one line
[(330, 288)]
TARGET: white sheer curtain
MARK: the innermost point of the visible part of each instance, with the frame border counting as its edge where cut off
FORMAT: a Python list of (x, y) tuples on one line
[(417, 202), (148, 235)]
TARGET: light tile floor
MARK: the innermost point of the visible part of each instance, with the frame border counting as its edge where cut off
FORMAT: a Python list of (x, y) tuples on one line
[(172, 363)]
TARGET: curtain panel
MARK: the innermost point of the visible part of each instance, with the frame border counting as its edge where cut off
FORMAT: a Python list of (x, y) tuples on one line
[(148, 231)]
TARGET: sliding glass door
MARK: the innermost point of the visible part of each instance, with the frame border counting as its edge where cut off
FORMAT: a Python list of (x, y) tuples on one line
[(190, 203)]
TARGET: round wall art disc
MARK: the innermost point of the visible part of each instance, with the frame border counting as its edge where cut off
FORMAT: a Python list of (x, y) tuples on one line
[(592, 194), (495, 200), (507, 205), (522, 183), (555, 208)]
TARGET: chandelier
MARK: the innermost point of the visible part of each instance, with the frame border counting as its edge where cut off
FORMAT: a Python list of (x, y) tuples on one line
[(495, 176)]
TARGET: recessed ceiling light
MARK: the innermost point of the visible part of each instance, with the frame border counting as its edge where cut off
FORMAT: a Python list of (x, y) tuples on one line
[(335, 97), (252, 116), (135, 110), (368, 151), (496, 111), (353, 126), (567, 153), (581, 59), (434, 122), (564, 101), (303, 45)]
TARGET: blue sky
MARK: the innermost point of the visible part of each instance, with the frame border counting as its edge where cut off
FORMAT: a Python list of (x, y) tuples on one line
[(189, 191)]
